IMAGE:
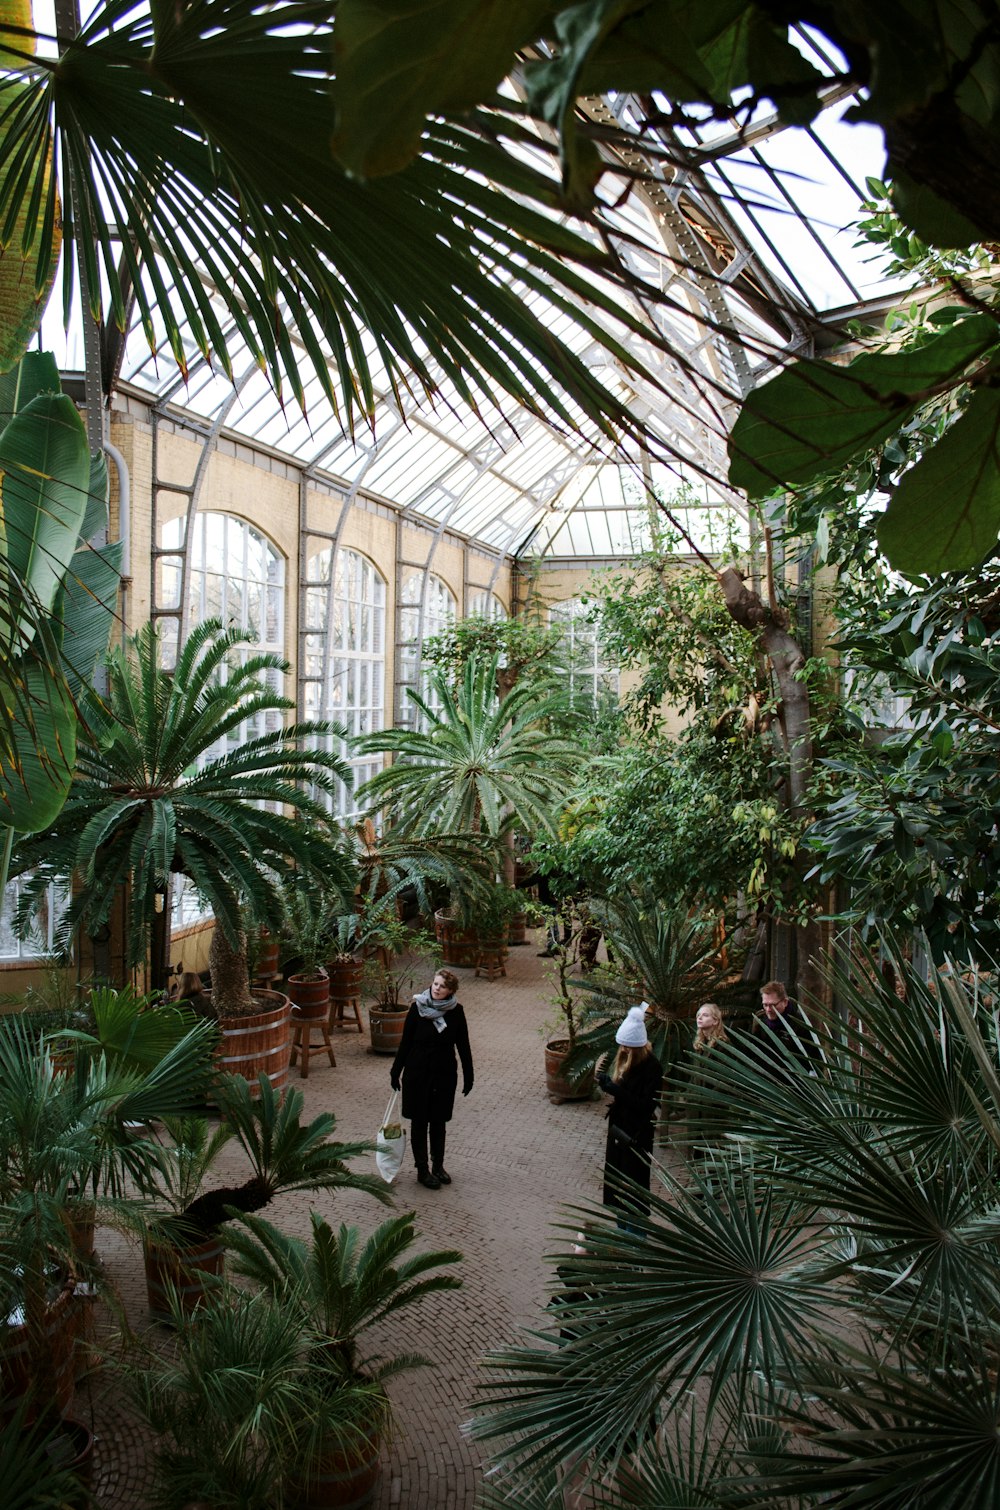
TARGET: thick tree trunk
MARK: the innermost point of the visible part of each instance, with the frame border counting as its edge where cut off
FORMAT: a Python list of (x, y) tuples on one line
[(230, 974)]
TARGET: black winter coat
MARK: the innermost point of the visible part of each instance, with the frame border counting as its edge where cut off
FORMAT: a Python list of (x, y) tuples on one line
[(426, 1061), (631, 1120)]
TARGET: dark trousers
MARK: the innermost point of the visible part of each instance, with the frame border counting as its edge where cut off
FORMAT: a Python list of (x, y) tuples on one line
[(418, 1142)]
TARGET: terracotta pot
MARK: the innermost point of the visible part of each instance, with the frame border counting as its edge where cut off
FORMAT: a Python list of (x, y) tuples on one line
[(185, 1270), (459, 946), (19, 1352), (311, 994), (262, 1041), (556, 1084), (341, 1479), (73, 1448), (385, 1028)]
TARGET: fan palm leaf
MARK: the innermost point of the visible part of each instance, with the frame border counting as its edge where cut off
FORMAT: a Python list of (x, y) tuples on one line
[(223, 235)]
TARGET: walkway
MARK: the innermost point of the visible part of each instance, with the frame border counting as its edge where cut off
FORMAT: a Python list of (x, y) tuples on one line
[(514, 1158)]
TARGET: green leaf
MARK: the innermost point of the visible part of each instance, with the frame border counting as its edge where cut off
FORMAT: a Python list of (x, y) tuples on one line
[(945, 514), (398, 61), (44, 472), (936, 222), (38, 765), (816, 417), (87, 610)]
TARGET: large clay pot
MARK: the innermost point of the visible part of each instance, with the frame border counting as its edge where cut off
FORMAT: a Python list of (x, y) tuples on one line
[(341, 1479), (311, 994), (458, 946), (19, 1356), (385, 1028), (185, 1271), (557, 1085), (262, 1041)]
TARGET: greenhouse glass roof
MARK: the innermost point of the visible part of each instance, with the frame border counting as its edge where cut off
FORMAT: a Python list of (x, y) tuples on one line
[(746, 237)]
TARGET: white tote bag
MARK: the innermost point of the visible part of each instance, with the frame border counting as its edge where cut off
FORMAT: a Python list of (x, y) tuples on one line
[(390, 1142)]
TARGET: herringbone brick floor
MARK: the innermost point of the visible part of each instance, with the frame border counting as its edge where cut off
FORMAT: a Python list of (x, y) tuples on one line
[(517, 1161)]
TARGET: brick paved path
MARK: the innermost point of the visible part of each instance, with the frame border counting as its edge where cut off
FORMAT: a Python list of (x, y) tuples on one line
[(515, 1159)]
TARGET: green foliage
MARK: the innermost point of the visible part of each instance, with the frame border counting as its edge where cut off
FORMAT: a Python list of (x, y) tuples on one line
[(824, 1286), (141, 810), (233, 1401), (911, 824), (478, 763), (340, 1285), (524, 647), (283, 1153), (50, 580)]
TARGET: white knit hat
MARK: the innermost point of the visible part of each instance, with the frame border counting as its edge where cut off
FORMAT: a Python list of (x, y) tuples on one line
[(632, 1033)]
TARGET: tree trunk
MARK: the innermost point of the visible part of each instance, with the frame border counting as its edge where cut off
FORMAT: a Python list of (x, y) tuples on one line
[(230, 974)]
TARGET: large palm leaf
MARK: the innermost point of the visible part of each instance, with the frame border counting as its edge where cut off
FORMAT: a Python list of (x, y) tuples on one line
[(479, 762), (259, 235), (142, 808), (877, 1341)]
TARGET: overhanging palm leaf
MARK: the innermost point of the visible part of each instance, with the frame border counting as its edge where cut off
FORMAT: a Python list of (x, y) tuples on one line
[(718, 1283), (141, 810), (408, 281), (479, 763)]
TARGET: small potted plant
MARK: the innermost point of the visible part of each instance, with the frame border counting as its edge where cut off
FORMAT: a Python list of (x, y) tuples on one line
[(399, 953), (182, 1244), (340, 1286), (307, 929), (560, 1083)]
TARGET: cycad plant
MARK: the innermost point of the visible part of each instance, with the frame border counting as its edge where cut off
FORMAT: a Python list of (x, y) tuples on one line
[(152, 798), (825, 1286), (479, 764)]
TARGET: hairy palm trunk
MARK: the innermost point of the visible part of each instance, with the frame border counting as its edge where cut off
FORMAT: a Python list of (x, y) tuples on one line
[(230, 975)]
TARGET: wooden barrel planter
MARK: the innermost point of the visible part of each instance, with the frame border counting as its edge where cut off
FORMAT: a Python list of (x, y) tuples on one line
[(341, 1479), (385, 1028), (268, 953), (186, 1272), (459, 946), (345, 977), (559, 1088), (311, 994), (19, 1358), (259, 1042), (517, 929)]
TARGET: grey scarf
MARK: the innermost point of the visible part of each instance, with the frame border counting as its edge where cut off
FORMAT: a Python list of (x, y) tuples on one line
[(435, 1010)]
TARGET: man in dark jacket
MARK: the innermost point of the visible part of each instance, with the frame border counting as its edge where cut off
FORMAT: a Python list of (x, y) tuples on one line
[(780, 1029)]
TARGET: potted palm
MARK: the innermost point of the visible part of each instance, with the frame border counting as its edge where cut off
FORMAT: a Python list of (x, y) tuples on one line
[(229, 1401), (68, 1144), (183, 1246), (340, 1285), (307, 931), (238, 822)]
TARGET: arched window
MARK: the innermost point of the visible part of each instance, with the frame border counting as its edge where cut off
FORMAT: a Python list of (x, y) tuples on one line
[(343, 653), (589, 670), (439, 610), (238, 576), (485, 605)]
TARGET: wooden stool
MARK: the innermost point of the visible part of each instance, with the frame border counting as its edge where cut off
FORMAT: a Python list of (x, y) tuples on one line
[(492, 963), (340, 1007), (301, 1033)]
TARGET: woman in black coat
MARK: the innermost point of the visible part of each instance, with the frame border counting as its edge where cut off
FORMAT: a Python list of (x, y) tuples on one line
[(635, 1086), (434, 1029)]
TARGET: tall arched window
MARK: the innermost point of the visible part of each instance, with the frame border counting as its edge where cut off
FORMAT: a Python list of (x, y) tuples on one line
[(343, 654), (589, 670), (238, 576), (485, 605), (440, 608)]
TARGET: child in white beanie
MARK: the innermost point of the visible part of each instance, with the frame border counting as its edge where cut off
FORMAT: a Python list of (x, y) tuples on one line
[(635, 1085)]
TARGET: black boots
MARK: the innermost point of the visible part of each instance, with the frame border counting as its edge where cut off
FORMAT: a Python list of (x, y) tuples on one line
[(441, 1174), (432, 1181)]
